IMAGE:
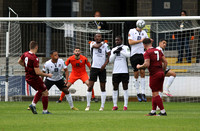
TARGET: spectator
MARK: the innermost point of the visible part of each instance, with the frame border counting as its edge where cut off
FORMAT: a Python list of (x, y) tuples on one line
[(183, 37)]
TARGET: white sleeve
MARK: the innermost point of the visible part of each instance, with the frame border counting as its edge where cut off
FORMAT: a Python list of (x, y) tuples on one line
[(107, 48), (130, 34), (112, 57), (91, 44), (63, 64), (146, 36), (126, 51)]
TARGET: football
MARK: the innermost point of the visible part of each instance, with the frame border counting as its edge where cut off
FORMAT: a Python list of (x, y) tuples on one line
[(140, 24)]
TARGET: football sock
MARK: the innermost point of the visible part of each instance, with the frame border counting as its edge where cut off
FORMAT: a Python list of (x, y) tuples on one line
[(69, 99), (162, 111), (159, 102), (45, 102), (142, 80), (37, 97), (115, 94), (103, 98), (137, 86), (62, 96), (89, 94), (93, 93), (126, 98), (153, 111), (154, 104), (169, 82), (33, 103)]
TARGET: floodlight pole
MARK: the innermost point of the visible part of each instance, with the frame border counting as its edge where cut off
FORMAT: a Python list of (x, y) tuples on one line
[(48, 29)]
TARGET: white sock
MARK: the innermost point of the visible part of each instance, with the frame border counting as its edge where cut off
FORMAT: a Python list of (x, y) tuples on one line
[(142, 81), (89, 95), (126, 98), (44, 111), (162, 111), (137, 86), (153, 111), (115, 94), (103, 98), (69, 99), (169, 82), (33, 103), (160, 94)]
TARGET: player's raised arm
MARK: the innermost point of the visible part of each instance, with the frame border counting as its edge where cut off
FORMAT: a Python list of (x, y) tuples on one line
[(126, 52)]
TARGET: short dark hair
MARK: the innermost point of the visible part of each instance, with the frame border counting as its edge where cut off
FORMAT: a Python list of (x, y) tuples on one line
[(77, 48), (119, 36), (184, 12), (146, 41), (162, 40), (33, 44), (51, 53)]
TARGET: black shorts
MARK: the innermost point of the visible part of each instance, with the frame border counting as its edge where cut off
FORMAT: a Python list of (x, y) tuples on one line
[(121, 77), (167, 70), (136, 59), (60, 84), (94, 72)]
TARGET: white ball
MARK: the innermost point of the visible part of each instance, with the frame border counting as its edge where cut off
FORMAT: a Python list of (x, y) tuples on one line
[(140, 24)]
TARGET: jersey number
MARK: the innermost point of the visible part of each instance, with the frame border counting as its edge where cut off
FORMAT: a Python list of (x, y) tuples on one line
[(157, 53), (26, 61)]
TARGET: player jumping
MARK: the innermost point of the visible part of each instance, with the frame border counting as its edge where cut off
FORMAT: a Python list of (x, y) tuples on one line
[(168, 72)]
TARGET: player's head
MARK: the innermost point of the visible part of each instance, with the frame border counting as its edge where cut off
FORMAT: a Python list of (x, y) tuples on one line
[(140, 24), (77, 51), (54, 55), (147, 43), (118, 40), (183, 13), (162, 43), (98, 38), (97, 14), (33, 46)]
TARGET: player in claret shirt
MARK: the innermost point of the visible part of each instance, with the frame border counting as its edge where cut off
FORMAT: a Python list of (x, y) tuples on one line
[(153, 61), (31, 63)]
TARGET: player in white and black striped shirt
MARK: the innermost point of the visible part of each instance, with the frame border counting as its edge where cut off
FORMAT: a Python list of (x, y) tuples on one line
[(119, 56), (168, 72)]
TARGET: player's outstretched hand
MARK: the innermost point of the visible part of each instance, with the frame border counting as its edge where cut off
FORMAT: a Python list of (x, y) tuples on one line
[(138, 66), (50, 75)]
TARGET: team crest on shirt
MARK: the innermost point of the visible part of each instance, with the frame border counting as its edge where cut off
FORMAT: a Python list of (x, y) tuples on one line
[(80, 61)]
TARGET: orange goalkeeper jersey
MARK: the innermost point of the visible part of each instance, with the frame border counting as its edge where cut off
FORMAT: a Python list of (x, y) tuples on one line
[(78, 66)]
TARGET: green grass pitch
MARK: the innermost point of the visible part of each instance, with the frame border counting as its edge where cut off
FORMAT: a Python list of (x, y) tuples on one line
[(181, 116)]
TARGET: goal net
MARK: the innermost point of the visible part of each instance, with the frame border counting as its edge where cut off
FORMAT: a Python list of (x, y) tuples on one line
[(182, 50)]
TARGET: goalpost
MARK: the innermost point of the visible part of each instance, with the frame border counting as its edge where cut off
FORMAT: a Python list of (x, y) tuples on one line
[(74, 31)]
